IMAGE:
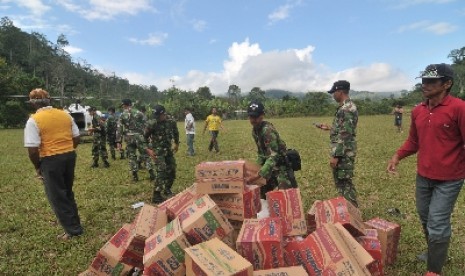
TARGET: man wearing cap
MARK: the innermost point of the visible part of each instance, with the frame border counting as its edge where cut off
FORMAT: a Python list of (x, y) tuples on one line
[(271, 150), (437, 135), (51, 136), (159, 134), (342, 141), (131, 125), (99, 138)]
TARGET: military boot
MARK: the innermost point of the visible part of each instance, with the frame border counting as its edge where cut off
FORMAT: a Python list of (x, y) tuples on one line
[(157, 197), (152, 175), (168, 193), (106, 164), (135, 177), (94, 164)]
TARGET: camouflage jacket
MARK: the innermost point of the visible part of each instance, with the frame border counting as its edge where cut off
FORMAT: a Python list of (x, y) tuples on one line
[(130, 122), (98, 125), (343, 130), (159, 135), (271, 149), (110, 126)]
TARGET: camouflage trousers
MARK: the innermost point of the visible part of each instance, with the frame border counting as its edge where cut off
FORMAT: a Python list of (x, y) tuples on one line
[(111, 140), (279, 179), (165, 168), (134, 144), (99, 148), (343, 174)]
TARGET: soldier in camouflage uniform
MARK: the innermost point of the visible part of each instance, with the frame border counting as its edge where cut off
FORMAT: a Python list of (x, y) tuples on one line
[(271, 152), (159, 134), (131, 125), (110, 126), (343, 144), (99, 139)]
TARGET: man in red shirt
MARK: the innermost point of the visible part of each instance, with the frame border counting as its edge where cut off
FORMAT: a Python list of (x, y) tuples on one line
[(437, 135)]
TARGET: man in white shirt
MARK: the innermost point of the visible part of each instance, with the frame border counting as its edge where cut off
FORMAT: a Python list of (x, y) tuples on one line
[(189, 125)]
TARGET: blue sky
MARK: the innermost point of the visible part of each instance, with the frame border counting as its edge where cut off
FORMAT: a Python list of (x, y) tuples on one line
[(296, 45)]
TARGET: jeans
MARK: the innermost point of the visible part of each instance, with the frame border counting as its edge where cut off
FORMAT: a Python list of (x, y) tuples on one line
[(435, 200), (190, 144)]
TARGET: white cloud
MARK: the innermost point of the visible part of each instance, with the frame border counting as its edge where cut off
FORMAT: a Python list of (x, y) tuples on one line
[(35, 7), (292, 70), (152, 40), (72, 50), (199, 25), (439, 28), (407, 3), (279, 14), (107, 9)]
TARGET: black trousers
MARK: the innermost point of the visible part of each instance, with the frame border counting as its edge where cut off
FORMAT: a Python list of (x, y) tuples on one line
[(58, 173)]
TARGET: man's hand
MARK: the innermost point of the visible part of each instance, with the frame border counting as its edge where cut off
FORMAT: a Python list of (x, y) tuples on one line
[(175, 148), (392, 164), (252, 179), (151, 154), (323, 126), (333, 162)]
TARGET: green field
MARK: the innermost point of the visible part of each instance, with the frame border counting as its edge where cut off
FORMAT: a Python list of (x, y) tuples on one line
[(28, 228)]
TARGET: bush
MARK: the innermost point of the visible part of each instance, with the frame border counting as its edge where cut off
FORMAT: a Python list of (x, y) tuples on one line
[(13, 114)]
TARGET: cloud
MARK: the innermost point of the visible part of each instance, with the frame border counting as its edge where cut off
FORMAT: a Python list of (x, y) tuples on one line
[(291, 69), (72, 50), (407, 3), (35, 7), (152, 40), (280, 13), (199, 25), (107, 9), (439, 28)]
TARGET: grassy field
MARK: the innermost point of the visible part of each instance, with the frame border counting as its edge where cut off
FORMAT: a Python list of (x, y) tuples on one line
[(104, 196)]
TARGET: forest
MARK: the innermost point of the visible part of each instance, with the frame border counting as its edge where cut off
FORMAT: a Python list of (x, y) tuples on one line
[(30, 60)]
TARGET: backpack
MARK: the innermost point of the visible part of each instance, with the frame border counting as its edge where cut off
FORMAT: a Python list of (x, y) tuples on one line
[(293, 157)]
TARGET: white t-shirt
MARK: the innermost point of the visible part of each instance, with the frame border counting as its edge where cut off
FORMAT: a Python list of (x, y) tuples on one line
[(32, 134), (189, 124)]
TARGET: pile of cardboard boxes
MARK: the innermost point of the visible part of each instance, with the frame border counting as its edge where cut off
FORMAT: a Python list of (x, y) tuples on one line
[(211, 228)]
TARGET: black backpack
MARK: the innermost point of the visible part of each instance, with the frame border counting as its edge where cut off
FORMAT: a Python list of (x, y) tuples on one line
[(293, 157)]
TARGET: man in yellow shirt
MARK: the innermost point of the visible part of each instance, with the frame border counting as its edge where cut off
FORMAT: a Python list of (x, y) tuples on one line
[(213, 123)]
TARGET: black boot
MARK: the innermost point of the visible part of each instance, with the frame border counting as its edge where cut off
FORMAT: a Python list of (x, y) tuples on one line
[(152, 175), (437, 254), (168, 193), (121, 155), (106, 164), (113, 156), (94, 164), (157, 198), (135, 177)]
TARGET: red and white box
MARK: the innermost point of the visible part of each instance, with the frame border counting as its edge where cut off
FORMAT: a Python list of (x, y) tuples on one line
[(175, 205), (287, 205), (239, 206), (372, 245), (389, 236)]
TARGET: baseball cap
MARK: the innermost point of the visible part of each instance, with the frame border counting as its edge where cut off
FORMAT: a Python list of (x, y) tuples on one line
[(437, 71), (158, 110), (255, 109), (126, 102), (340, 84)]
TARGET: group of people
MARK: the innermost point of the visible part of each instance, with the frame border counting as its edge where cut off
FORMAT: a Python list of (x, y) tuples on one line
[(436, 135)]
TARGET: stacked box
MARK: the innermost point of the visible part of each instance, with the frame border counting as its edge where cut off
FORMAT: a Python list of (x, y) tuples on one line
[(164, 251), (175, 205), (239, 206), (108, 259), (372, 245), (260, 242), (340, 210), (148, 221), (282, 271), (329, 250), (311, 218), (389, 236), (213, 258), (203, 220), (287, 205)]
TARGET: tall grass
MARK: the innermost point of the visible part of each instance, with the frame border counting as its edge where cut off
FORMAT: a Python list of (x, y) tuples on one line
[(104, 196)]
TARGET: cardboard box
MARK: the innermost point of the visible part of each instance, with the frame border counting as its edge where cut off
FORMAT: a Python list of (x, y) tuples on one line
[(389, 236), (340, 210), (330, 250), (311, 217), (373, 246), (203, 220), (220, 186), (108, 259), (214, 257), (164, 251), (260, 242), (238, 169), (282, 271), (239, 206), (175, 205), (149, 220), (287, 205)]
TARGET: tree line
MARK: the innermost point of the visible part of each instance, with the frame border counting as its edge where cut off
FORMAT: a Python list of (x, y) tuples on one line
[(30, 60)]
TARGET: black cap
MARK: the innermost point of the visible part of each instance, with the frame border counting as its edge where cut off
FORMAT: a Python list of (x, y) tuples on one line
[(340, 84), (437, 71), (158, 110), (255, 109), (126, 102)]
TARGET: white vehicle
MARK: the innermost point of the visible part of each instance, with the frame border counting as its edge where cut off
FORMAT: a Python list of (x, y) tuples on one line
[(81, 117)]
